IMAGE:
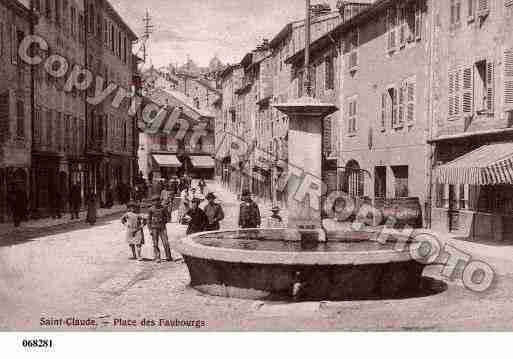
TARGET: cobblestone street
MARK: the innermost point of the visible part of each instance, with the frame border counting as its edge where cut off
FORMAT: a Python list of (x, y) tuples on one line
[(77, 271)]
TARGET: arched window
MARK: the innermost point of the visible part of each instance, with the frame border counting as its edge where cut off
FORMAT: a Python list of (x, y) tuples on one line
[(354, 179)]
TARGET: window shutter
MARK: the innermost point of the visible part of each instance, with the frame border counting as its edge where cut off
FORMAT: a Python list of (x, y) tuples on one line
[(14, 45), (470, 10), (508, 79), (508, 3), (4, 115), (418, 22), (411, 98), (468, 90), (404, 26), (383, 111), (457, 88), (484, 7), (401, 107), (451, 94), (490, 90), (394, 107)]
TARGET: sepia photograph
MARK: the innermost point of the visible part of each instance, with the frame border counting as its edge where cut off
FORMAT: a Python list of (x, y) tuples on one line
[(193, 166)]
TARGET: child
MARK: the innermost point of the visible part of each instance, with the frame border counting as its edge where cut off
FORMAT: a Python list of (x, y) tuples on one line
[(275, 221), (134, 224)]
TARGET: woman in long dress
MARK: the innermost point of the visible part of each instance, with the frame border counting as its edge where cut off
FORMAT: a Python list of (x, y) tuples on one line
[(134, 224)]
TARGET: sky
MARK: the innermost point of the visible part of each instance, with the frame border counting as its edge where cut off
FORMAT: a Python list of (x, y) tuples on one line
[(201, 29)]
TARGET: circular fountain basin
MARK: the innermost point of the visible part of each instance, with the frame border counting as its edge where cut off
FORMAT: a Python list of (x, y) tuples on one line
[(267, 264)]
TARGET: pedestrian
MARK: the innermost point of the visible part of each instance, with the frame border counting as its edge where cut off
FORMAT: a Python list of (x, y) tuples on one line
[(275, 221), (249, 215), (173, 187), (56, 203), (184, 204), (109, 197), (18, 202), (202, 184), (158, 217), (75, 200), (214, 212), (195, 218), (134, 224), (92, 214)]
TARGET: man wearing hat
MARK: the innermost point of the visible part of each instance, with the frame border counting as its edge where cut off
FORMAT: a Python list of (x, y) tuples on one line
[(158, 217), (214, 212), (195, 218), (249, 216)]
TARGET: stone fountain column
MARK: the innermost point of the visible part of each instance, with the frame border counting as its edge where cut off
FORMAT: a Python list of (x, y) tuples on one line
[(306, 116)]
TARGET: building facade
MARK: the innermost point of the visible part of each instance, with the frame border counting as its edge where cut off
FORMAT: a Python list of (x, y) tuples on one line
[(178, 147), (15, 103), (472, 117)]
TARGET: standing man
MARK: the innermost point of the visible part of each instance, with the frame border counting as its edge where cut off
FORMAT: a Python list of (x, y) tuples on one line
[(195, 218), (202, 184), (158, 217), (18, 202), (249, 216), (214, 212), (75, 200)]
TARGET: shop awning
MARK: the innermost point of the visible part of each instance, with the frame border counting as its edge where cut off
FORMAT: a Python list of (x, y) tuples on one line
[(167, 161), (203, 162), (488, 165)]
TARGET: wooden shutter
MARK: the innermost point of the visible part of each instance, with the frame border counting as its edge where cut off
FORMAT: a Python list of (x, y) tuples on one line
[(508, 79), (484, 7), (383, 118), (457, 88), (451, 94), (4, 115), (418, 22), (411, 101), (392, 29), (468, 90), (401, 104), (490, 88), (394, 107), (14, 45)]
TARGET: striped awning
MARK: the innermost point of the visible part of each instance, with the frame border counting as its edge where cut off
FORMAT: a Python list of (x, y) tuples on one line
[(488, 165), (203, 162), (170, 161)]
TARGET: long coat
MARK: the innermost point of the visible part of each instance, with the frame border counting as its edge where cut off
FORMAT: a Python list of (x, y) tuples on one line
[(198, 221), (91, 210), (249, 216)]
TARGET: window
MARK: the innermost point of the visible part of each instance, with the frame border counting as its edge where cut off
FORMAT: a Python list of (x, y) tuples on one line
[(380, 182), (14, 45), (484, 87), (470, 10), (37, 126), (99, 26), (401, 181), (81, 28), (484, 7), (48, 9), (112, 38), (91, 19), (410, 101), (20, 119), (327, 135), (57, 12), (105, 33), (391, 23), (393, 98), (454, 93), (300, 84), (330, 72), (352, 116), (352, 49), (455, 12)]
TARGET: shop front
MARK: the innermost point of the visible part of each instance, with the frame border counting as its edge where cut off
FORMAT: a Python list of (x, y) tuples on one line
[(203, 167), (474, 193)]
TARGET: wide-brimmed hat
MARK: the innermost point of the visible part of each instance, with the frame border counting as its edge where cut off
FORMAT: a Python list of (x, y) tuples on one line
[(276, 209), (211, 196)]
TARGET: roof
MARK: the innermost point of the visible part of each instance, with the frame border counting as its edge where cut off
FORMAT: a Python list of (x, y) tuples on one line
[(119, 19), (177, 99), (247, 60), (21, 7), (282, 35), (343, 28)]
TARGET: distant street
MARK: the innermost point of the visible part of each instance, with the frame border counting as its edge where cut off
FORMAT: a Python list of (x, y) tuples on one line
[(77, 271)]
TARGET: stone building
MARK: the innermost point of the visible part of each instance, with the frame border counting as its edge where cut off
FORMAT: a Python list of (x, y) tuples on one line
[(111, 134), (59, 116), (172, 153), (472, 118), (15, 102)]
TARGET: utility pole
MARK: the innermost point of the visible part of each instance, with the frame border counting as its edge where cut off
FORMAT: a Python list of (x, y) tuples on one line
[(308, 80), (148, 30)]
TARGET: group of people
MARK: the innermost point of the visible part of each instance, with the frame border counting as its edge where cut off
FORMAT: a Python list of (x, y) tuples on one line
[(249, 214)]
